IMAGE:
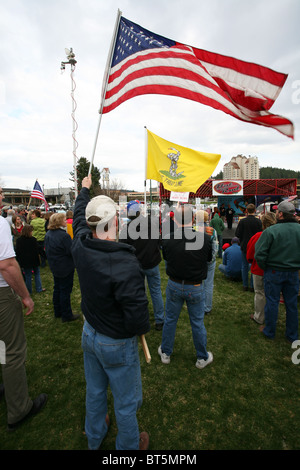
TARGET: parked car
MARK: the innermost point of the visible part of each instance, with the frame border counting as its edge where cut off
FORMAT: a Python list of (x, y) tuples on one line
[(265, 207)]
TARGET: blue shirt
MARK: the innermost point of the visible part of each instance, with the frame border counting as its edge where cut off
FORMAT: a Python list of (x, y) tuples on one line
[(232, 259)]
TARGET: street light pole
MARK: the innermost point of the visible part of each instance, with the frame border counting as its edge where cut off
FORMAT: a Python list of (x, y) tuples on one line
[(71, 60)]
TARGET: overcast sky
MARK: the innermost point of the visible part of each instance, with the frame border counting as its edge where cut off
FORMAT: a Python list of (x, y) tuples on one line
[(35, 97)]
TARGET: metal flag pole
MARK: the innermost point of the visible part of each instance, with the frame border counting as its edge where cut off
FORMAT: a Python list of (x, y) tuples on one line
[(145, 180), (105, 82)]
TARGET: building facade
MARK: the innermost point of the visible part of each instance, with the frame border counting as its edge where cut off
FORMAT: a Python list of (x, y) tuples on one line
[(241, 167)]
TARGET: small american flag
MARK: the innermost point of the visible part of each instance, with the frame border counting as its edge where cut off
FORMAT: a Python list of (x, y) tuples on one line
[(38, 194), (143, 62)]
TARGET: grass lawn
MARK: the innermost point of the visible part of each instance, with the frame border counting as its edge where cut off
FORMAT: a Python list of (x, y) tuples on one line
[(247, 399)]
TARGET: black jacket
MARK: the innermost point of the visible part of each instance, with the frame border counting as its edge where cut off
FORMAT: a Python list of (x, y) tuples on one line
[(58, 250), (183, 262), (143, 234), (27, 252), (247, 227), (113, 295)]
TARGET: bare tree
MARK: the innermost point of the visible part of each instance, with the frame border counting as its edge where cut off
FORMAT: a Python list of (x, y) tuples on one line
[(114, 189)]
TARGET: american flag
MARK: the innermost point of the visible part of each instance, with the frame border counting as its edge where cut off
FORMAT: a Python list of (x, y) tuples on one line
[(145, 63), (38, 194)]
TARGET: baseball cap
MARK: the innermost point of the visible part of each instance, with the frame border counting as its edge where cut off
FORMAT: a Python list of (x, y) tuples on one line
[(226, 245), (286, 207), (133, 207), (102, 207)]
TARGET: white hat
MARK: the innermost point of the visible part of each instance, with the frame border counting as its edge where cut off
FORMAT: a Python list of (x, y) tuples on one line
[(102, 207)]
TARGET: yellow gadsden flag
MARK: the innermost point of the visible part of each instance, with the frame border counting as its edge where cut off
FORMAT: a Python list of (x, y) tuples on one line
[(178, 168)]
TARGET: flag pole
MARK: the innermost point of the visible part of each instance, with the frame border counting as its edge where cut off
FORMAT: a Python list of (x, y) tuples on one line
[(145, 180), (160, 225), (105, 82), (145, 349)]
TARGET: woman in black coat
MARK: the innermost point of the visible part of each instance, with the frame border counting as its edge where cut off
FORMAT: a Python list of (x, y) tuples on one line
[(58, 251)]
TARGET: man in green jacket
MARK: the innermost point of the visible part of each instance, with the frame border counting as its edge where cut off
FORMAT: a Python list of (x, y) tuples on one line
[(218, 224), (277, 253)]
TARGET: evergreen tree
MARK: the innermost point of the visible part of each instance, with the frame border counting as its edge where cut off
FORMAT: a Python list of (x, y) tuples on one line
[(219, 176), (82, 167), (277, 173)]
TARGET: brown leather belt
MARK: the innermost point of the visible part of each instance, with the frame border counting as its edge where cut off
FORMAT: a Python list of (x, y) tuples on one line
[(184, 283)]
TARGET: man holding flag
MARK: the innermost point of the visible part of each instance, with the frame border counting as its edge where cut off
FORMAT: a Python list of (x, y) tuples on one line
[(115, 307)]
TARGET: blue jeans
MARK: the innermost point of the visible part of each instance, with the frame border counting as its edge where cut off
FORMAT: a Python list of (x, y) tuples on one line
[(194, 296), (62, 296), (115, 363), (245, 271), (286, 282), (235, 275), (209, 286), (153, 279), (37, 279)]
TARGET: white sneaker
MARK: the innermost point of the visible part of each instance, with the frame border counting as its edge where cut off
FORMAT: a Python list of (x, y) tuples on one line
[(201, 363), (164, 358)]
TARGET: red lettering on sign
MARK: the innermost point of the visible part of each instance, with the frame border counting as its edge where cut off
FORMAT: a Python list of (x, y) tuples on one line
[(227, 187)]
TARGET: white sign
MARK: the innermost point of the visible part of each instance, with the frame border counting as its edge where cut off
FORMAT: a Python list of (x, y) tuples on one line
[(179, 197)]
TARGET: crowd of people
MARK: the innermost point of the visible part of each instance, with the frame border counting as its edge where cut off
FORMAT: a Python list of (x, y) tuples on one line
[(114, 266)]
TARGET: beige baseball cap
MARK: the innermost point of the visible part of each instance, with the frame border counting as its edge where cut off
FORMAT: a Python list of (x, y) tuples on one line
[(103, 208)]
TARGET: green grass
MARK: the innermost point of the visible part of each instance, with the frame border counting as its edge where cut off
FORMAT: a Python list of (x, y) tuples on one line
[(248, 398)]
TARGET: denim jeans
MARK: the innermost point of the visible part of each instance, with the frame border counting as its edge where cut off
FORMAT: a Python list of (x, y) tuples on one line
[(209, 286), (286, 282), (194, 296), (245, 271), (234, 275), (115, 363), (37, 279), (153, 280), (62, 296)]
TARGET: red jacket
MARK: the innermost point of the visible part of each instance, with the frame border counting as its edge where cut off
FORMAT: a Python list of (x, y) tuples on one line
[(255, 269)]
